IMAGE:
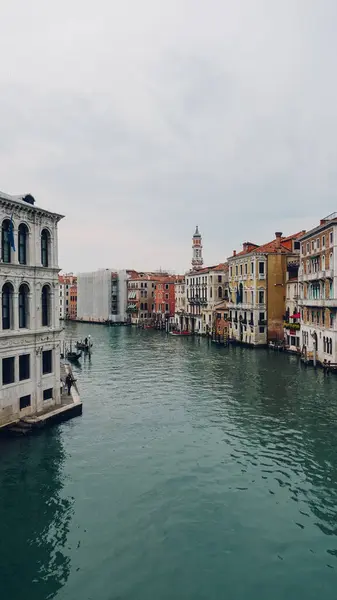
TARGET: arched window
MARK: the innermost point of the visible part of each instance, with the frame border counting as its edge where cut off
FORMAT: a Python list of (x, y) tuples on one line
[(7, 306), (45, 247), (324, 345), (23, 306), (5, 241), (219, 292), (22, 243), (45, 302)]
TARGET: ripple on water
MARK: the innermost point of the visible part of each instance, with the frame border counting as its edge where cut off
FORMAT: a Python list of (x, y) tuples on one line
[(195, 472)]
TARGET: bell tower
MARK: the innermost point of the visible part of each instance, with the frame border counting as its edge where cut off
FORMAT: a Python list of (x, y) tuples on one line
[(197, 260)]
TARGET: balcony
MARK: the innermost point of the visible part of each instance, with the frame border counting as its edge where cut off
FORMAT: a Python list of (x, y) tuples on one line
[(262, 322), (320, 302), (327, 274)]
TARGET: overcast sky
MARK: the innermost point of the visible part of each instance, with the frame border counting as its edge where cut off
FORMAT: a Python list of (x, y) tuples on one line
[(138, 119)]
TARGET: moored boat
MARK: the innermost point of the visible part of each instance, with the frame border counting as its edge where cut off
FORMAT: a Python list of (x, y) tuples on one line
[(180, 333)]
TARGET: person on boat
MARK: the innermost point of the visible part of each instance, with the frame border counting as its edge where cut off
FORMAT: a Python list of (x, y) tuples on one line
[(86, 341), (69, 382)]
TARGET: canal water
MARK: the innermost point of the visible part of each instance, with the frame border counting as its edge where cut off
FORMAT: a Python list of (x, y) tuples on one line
[(195, 472)]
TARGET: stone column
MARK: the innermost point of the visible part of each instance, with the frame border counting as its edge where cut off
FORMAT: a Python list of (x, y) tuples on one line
[(15, 308)]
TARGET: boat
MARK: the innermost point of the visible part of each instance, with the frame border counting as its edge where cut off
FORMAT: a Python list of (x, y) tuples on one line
[(180, 333), (73, 356), (83, 346)]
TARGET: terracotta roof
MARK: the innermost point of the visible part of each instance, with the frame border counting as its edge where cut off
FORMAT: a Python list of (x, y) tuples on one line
[(270, 247), (221, 267)]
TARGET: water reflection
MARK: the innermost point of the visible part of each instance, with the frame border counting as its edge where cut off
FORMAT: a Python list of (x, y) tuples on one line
[(34, 517)]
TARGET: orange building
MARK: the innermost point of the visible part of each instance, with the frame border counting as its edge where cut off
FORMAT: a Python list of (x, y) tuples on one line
[(164, 298), (73, 302)]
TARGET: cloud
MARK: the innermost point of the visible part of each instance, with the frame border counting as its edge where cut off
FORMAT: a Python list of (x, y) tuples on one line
[(138, 120)]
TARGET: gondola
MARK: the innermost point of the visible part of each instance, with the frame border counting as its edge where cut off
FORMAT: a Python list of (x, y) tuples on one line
[(73, 356)]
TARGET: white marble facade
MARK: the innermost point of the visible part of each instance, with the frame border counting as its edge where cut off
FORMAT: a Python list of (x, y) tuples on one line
[(29, 316)]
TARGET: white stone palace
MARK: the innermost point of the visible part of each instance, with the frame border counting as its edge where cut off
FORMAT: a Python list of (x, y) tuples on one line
[(29, 317)]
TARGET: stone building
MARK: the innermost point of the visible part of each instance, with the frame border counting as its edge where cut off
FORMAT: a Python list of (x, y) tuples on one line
[(29, 319), (257, 277), (318, 291)]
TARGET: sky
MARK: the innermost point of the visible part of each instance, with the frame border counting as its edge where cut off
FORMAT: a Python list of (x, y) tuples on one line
[(139, 119)]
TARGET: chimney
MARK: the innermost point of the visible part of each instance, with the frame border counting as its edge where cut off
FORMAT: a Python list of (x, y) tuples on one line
[(322, 222), (245, 246), (278, 235), (234, 252)]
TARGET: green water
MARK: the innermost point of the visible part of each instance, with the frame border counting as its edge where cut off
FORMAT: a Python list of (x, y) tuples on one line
[(195, 472)]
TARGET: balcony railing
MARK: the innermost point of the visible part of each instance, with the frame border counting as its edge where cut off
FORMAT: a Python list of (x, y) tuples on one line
[(326, 274)]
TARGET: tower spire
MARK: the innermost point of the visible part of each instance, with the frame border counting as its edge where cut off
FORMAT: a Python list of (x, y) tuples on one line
[(197, 260)]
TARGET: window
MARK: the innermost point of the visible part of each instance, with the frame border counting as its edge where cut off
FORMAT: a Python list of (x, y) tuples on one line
[(331, 319), (23, 305), (141, 306), (166, 286), (331, 238), (45, 302), (302, 249), (261, 296), (261, 268), (308, 248), (219, 292), (261, 317), (231, 271), (166, 296), (8, 370), (210, 292), (6, 235), (261, 329), (24, 402), (323, 241), (22, 239), (219, 278), (296, 245), (24, 366), (7, 306), (48, 394), (246, 268), (45, 245), (47, 362), (240, 269), (317, 243), (236, 270), (323, 262), (252, 268), (167, 308), (145, 306)]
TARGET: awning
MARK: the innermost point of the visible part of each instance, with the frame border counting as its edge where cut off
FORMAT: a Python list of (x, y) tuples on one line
[(295, 316), (131, 306), (131, 295)]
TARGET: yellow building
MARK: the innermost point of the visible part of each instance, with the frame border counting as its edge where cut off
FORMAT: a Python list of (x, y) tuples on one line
[(257, 277)]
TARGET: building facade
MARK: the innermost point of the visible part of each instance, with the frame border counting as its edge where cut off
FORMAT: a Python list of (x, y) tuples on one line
[(292, 326), (257, 277), (205, 288), (29, 325), (102, 296), (73, 302), (318, 292), (66, 280), (141, 291), (164, 300), (179, 301)]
